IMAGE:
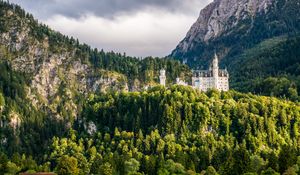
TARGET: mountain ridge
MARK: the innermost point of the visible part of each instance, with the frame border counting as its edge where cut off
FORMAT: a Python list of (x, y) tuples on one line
[(226, 22), (61, 110), (55, 62), (47, 77), (233, 29)]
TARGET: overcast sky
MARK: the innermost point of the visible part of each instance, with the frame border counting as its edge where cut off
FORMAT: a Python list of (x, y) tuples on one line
[(138, 27)]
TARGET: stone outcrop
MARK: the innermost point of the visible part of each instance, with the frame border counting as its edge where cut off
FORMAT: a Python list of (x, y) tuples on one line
[(219, 17), (54, 76)]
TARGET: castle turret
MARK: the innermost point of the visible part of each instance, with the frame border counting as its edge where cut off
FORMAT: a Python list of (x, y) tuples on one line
[(213, 78), (162, 77), (215, 71), (215, 66)]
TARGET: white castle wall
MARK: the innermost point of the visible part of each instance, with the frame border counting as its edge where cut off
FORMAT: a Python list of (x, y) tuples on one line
[(214, 78)]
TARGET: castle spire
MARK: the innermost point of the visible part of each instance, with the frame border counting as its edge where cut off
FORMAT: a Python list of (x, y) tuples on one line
[(216, 56), (162, 77), (215, 62)]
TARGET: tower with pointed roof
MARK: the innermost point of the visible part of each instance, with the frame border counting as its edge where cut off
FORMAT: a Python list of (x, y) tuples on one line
[(162, 77), (215, 71), (213, 78)]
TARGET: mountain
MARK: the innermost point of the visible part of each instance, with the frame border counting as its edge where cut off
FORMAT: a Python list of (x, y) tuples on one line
[(46, 77), (269, 68), (56, 64), (67, 108), (235, 30), (230, 26)]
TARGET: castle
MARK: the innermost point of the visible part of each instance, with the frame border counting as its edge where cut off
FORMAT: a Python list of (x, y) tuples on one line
[(213, 78), (162, 77)]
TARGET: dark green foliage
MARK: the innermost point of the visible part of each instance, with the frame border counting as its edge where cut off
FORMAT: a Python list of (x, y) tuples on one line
[(3, 163), (105, 169), (131, 166), (67, 166), (35, 129), (271, 68), (145, 70), (269, 171), (211, 171), (220, 133), (232, 127), (241, 159), (175, 130), (96, 165), (182, 107), (287, 158), (18, 163), (282, 18)]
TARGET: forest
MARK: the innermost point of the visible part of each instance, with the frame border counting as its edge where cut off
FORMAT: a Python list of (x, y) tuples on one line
[(162, 130), (176, 130), (271, 68)]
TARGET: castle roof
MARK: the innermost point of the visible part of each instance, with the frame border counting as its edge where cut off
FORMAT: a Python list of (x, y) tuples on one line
[(209, 73)]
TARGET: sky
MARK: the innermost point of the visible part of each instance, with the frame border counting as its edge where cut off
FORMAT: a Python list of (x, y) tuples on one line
[(138, 27)]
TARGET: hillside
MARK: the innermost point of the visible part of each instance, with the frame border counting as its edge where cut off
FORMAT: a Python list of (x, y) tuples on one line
[(46, 76), (270, 68), (236, 30), (71, 109), (50, 58), (176, 131), (230, 26)]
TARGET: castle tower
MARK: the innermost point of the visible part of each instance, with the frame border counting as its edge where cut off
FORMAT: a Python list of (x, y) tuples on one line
[(162, 77), (215, 71)]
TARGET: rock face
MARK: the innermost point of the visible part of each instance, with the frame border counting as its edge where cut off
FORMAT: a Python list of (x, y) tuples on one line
[(220, 16), (54, 76), (224, 23)]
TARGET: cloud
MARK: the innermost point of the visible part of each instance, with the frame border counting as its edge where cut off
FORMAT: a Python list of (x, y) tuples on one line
[(138, 27), (145, 33), (106, 8)]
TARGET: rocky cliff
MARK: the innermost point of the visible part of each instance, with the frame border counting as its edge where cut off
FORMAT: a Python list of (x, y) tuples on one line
[(55, 72), (229, 26), (47, 78), (59, 73)]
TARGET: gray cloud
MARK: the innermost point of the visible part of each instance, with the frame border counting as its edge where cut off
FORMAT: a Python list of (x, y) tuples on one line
[(137, 27), (105, 8)]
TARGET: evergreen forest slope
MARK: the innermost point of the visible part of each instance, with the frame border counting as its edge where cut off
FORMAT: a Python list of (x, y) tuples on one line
[(175, 130), (67, 108)]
